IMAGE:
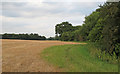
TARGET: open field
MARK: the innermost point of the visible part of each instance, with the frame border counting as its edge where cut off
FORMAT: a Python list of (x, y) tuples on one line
[(24, 55), (76, 58)]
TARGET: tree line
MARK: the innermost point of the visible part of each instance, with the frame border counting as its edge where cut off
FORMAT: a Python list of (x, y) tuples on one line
[(23, 36), (101, 27)]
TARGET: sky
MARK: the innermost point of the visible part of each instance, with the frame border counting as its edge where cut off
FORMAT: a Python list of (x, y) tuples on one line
[(41, 17)]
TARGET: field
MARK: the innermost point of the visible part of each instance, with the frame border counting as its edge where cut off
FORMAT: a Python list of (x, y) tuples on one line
[(24, 55), (50, 56)]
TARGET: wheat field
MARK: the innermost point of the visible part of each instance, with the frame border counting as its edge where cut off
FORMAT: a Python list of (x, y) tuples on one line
[(24, 55)]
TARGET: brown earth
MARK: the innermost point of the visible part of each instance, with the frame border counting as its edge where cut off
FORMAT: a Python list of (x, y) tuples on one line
[(24, 55)]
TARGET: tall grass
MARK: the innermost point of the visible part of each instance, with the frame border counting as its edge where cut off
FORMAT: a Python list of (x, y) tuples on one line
[(102, 55)]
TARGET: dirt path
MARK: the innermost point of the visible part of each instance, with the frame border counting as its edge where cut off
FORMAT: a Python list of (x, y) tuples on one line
[(24, 55)]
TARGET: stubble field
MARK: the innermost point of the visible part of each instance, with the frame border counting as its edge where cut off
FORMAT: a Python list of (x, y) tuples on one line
[(24, 55)]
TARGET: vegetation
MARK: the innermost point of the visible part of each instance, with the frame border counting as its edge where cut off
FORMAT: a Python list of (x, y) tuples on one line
[(64, 29), (23, 36), (77, 58), (51, 38), (101, 27)]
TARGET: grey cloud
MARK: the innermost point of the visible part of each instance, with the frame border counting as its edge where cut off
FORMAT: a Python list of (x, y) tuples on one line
[(42, 17), (22, 9)]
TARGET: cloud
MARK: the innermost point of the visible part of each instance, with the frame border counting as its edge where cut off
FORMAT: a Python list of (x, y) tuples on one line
[(16, 9), (59, 0), (41, 17)]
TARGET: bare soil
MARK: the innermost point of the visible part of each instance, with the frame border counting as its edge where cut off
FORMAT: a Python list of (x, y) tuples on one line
[(24, 55)]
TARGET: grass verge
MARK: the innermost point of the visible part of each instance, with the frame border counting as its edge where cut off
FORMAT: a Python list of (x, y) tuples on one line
[(76, 58)]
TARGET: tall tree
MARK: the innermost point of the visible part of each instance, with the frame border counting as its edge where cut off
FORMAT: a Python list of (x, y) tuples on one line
[(63, 27)]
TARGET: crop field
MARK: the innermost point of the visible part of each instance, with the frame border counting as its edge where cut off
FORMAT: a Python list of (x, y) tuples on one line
[(50, 56), (24, 55)]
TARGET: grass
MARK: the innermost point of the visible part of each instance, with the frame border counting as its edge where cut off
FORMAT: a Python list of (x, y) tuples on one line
[(76, 58)]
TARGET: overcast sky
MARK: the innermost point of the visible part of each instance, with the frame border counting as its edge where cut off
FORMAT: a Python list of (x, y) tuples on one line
[(41, 17)]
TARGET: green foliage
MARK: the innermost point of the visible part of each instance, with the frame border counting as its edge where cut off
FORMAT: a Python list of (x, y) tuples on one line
[(117, 49), (63, 27), (23, 36), (107, 57), (96, 33), (67, 36), (102, 55), (89, 23), (111, 28), (65, 31), (51, 38), (79, 35), (101, 26)]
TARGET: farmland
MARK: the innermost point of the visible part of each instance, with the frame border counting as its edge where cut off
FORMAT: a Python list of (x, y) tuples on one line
[(24, 55), (50, 56), (41, 38)]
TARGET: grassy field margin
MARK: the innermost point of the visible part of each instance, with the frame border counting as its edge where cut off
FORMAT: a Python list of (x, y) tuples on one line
[(76, 58)]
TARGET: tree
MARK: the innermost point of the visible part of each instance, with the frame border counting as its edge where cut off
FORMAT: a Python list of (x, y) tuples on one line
[(89, 24), (95, 33), (63, 27), (67, 36), (23, 36)]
